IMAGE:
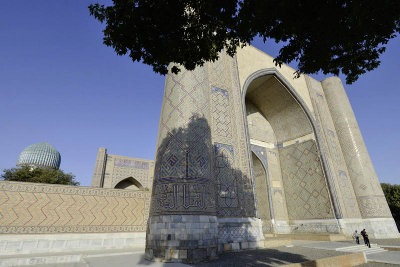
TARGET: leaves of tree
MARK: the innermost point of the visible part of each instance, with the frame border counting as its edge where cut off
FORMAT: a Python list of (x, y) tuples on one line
[(392, 195), (331, 36), (38, 175)]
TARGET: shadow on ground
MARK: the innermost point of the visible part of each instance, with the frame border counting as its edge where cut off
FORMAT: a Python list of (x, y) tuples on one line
[(260, 257)]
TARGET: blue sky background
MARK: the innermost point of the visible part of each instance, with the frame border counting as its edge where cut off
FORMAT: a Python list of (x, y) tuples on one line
[(59, 84)]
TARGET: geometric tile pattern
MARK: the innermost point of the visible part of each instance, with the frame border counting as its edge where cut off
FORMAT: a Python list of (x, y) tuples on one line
[(361, 171), (220, 112), (42, 208), (374, 207), (226, 179), (337, 170), (306, 191), (228, 129), (182, 176), (129, 163)]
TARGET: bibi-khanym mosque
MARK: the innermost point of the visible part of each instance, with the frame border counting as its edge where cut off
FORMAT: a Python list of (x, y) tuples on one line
[(244, 152)]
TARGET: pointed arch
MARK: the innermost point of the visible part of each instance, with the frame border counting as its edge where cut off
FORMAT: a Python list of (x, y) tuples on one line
[(129, 183), (257, 77)]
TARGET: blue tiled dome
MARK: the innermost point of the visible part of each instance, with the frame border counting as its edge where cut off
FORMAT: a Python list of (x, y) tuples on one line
[(41, 155)]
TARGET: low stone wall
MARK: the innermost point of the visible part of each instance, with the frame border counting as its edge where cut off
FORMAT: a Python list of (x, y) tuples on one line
[(31, 208), (30, 244)]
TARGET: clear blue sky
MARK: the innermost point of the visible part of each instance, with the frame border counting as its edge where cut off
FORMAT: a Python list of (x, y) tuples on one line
[(59, 84)]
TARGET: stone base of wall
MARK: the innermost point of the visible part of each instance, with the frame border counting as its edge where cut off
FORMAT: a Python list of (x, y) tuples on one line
[(281, 227), (307, 226), (377, 228), (54, 243), (330, 226), (239, 234), (182, 238)]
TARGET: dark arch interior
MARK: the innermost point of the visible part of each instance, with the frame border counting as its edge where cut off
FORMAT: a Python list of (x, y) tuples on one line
[(129, 183)]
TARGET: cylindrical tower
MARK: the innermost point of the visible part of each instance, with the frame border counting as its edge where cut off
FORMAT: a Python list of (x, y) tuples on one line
[(368, 191), (183, 224)]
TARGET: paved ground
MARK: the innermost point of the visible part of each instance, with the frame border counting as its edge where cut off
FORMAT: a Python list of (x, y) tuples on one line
[(301, 251), (271, 257), (260, 257)]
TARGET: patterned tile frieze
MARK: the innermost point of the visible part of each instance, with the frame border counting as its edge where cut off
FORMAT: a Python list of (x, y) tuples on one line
[(248, 198), (220, 72), (226, 178), (130, 163), (306, 191), (228, 128), (374, 207), (42, 208), (221, 117)]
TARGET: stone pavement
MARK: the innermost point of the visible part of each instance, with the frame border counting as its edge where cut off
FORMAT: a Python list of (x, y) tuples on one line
[(373, 254), (260, 257), (301, 251)]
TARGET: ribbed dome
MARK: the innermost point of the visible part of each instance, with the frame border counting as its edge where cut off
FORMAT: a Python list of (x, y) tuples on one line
[(41, 155)]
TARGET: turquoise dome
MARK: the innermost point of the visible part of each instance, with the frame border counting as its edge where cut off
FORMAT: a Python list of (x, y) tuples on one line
[(40, 155)]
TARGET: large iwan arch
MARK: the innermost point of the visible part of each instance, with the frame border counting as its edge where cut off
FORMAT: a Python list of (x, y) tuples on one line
[(246, 151), (280, 125)]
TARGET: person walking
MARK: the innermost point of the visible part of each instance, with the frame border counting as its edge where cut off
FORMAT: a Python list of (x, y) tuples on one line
[(366, 239), (357, 237)]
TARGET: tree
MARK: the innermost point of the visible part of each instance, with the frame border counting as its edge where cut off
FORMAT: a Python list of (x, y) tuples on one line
[(38, 175), (392, 195), (331, 36)]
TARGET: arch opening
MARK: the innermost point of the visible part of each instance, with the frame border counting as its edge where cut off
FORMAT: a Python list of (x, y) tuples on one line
[(278, 123), (129, 183), (262, 193)]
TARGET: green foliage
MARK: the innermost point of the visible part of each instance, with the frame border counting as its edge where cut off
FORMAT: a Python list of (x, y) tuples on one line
[(331, 36), (392, 194), (39, 175)]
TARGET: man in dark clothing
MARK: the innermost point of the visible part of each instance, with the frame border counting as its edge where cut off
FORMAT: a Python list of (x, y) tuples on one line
[(366, 239)]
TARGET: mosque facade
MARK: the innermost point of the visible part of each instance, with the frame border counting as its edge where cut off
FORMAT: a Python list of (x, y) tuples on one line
[(244, 151)]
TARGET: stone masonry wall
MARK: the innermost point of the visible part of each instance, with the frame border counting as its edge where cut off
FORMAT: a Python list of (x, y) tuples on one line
[(30, 208)]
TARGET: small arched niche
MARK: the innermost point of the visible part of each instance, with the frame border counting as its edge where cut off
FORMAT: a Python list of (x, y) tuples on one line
[(129, 183)]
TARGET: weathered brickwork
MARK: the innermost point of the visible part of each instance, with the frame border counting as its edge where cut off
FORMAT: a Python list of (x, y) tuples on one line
[(42, 208)]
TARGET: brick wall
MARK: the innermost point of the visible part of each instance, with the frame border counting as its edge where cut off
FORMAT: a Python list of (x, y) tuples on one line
[(30, 208)]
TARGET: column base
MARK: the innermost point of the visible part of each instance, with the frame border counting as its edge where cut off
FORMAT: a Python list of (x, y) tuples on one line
[(182, 238)]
